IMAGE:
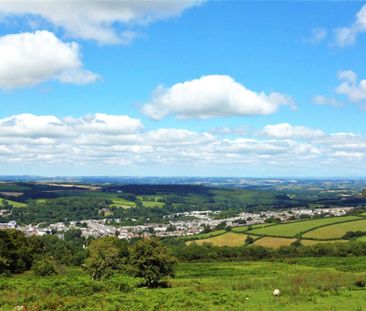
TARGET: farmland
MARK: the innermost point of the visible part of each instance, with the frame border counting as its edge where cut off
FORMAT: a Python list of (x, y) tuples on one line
[(226, 239), (337, 231), (274, 242), (305, 284), (292, 229), (12, 203), (308, 232)]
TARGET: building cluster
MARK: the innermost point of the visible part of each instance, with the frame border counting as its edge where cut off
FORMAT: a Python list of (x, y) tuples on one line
[(190, 223)]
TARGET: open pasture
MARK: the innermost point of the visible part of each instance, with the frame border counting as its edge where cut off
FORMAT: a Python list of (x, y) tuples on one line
[(226, 239), (336, 231), (297, 227), (13, 203), (245, 228), (313, 242), (273, 242)]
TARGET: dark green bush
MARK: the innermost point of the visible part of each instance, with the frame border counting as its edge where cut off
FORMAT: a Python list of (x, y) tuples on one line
[(44, 267)]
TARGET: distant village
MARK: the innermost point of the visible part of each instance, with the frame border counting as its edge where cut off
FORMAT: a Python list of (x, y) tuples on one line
[(194, 222)]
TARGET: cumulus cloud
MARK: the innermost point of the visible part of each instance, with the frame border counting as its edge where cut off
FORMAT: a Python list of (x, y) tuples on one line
[(27, 59), (350, 87), (317, 36), (347, 35), (326, 101), (285, 130), (97, 20), (212, 96), (101, 140)]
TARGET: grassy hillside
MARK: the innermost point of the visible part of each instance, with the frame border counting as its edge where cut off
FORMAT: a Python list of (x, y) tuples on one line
[(294, 228), (226, 239), (305, 284), (12, 203), (337, 231), (274, 242), (310, 232)]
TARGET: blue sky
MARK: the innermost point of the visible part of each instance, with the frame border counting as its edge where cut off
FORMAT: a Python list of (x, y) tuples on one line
[(246, 88)]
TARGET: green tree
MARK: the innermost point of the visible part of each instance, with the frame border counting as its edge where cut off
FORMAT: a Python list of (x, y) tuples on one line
[(249, 240), (44, 267), (104, 256), (151, 261)]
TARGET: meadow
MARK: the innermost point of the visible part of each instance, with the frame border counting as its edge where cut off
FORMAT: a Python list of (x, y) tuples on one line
[(305, 284), (226, 239), (308, 232), (337, 231), (297, 227), (12, 203)]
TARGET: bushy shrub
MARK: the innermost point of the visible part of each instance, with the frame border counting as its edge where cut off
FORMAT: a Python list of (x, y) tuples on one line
[(44, 267), (151, 261)]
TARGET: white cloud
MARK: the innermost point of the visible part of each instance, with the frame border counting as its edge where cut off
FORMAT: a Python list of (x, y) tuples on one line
[(102, 123), (326, 101), (119, 141), (317, 35), (347, 35), (96, 20), (355, 91), (27, 59), (212, 96), (285, 130), (44, 127)]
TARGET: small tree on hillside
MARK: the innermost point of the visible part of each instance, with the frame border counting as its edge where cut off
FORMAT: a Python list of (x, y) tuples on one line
[(151, 261), (104, 256), (249, 240)]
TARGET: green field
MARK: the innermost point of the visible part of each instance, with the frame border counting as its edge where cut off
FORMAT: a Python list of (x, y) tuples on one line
[(226, 239), (203, 235), (313, 242), (120, 202), (13, 203), (297, 227), (275, 236), (306, 284), (152, 204), (245, 228), (273, 242), (336, 231)]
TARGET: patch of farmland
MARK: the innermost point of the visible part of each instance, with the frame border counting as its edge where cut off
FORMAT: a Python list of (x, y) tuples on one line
[(226, 239), (274, 242), (293, 228), (337, 231), (13, 203), (120, 202), (200, 236), (152, 204), (362, 239), (313, 242), (245, 228)]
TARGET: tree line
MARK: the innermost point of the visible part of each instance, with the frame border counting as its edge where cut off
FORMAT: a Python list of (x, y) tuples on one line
[(100, 258)]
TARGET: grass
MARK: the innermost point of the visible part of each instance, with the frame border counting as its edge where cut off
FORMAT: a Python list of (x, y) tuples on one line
[(227, 239), (306, 284), (203, 235), (245, 228), (13, 203), (337, 231), (362, 239), (120, 202), (297, 227), (313, 242), (273, 242), (152, 204)]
